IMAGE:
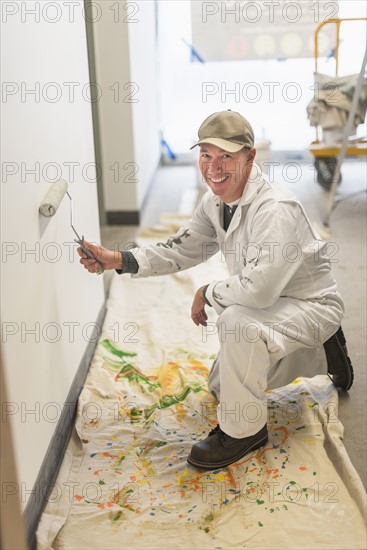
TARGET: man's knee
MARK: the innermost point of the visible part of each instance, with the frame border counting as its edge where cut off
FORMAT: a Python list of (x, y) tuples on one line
[(237, 324), (234, 312)]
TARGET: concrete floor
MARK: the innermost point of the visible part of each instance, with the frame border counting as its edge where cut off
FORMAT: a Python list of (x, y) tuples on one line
[(347, 237)]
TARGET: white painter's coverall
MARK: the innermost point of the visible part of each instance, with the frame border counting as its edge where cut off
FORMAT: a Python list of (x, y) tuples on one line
[(277, 306)]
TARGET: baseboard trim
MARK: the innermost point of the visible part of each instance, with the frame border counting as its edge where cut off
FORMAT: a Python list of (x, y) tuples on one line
[(55, 453), (123, 217)]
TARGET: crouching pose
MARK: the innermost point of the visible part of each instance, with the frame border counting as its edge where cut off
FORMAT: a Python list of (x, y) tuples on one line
[(279, 305)]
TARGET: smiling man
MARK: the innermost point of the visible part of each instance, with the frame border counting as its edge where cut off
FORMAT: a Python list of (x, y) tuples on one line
[(225, 173), (279, 310)]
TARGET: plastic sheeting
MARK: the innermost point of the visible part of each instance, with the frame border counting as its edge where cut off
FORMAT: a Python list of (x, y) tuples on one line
[(125, 482), (332, 102)]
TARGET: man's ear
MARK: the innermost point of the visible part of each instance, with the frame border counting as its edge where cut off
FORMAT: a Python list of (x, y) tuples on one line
[(252, 154)]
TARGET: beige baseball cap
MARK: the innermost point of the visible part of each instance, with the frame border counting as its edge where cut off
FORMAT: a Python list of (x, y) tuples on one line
[(228, 130)]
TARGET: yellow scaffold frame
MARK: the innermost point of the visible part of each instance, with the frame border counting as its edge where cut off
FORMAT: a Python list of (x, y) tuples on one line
[(353, 148)]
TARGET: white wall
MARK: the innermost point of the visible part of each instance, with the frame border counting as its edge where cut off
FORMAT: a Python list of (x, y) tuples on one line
[(124, 38), (115, 113), (47, 292), (144, 72)]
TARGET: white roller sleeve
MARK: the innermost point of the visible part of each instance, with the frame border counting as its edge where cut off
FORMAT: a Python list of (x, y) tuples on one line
[(53, 198)]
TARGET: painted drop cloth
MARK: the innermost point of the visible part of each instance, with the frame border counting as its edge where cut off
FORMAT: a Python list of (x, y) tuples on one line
[(125, 482)]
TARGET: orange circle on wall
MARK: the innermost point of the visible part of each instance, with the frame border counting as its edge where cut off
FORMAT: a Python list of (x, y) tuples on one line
[(238, 46)]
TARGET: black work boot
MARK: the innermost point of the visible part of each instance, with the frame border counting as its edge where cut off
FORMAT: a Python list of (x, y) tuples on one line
[(339, 365), (219, 449)]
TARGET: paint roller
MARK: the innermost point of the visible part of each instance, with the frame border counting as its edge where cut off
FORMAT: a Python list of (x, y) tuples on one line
[(49, 206)]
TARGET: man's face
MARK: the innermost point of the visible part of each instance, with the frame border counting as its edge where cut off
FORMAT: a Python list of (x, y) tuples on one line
[(225, 173)]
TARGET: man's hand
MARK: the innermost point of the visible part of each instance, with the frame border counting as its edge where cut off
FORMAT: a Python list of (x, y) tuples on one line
[(198, 314), (110, 259)]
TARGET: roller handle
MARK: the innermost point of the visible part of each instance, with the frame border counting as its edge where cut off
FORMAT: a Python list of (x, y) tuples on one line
[(89, 253)]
